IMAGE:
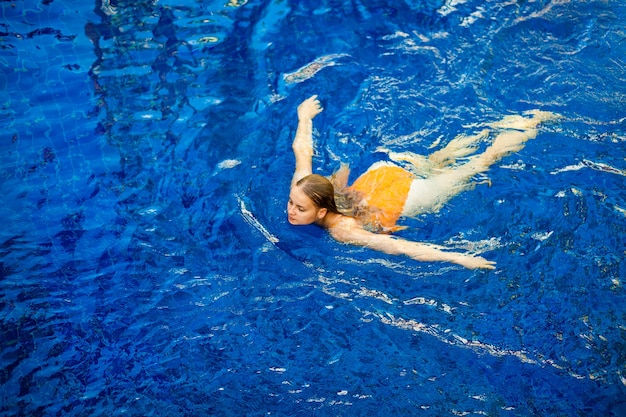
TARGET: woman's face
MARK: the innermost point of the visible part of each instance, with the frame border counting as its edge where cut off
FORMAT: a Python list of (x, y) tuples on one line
[(300, 209)]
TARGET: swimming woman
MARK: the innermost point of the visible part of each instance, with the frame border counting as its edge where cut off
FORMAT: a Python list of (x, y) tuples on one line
[(386, 191)]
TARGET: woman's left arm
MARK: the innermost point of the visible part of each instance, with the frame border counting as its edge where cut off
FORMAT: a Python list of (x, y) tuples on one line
[(424, 252)]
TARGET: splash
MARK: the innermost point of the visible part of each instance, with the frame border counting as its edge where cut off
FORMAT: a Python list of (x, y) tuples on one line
[(478, 347), (252, 221), (598, 166)]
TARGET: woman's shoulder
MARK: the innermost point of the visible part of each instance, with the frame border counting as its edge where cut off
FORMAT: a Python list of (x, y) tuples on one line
[(346, 228)]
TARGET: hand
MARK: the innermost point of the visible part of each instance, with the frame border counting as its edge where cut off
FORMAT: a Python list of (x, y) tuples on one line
[(477, 262), (309, 108)]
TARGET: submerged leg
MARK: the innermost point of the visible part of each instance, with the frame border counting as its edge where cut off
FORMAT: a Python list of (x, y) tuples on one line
[(515, 121), (419, 164), (422, 166), (521, 130), (450, 181), (458, 147)]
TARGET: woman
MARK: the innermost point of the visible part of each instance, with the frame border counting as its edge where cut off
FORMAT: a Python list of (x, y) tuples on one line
[(386, 191)]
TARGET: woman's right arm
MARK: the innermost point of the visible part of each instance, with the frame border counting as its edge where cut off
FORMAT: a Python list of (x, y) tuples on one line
[(424, 252), (303, 142)]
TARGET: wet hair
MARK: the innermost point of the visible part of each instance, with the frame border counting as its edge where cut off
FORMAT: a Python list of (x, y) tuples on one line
[(320, 190)]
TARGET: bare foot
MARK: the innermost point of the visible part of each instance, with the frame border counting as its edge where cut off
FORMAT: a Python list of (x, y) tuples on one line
[(508, 142), (458, 147), (518, 122), (419, 164), (514, 121), (543, 116)]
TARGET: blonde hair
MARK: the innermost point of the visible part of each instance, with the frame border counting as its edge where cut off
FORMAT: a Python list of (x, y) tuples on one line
[(350, 202), (320, 190)]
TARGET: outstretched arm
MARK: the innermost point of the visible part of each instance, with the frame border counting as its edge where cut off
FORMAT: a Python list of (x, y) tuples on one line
[(416, 250), (303, 142)]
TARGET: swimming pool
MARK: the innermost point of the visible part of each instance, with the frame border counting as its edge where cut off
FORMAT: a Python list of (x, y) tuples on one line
[(147, 267)]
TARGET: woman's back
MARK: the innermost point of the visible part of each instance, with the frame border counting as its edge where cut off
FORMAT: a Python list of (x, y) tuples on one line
[(380, 193)]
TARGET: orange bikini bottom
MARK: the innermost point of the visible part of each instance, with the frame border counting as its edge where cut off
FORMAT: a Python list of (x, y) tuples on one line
[(383, 189)]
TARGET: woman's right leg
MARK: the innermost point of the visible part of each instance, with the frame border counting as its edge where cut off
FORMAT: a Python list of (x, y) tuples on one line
[(459, 147), (421, 165)]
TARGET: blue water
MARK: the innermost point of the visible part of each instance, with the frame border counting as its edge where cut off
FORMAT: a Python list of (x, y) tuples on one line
[(146, 265)]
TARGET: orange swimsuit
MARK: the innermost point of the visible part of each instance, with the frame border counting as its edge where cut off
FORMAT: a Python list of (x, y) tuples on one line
[(384, 190)]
